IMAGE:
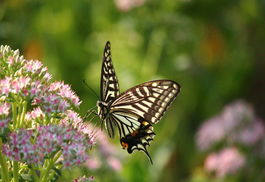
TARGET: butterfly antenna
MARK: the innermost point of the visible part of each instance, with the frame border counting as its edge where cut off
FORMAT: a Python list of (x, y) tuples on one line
[(91, 89)]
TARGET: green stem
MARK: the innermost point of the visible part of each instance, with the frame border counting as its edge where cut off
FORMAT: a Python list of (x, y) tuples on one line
[(50, 164), (14, 115), (33, 174), (22, 115), (15, 171), (4, 169), (19, 113)]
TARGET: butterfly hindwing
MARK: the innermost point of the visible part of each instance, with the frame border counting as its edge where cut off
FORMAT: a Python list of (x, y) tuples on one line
[(139, 139), (109, 87)]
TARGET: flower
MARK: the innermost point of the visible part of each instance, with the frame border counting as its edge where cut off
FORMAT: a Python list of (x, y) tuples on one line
[(239, 117), (4, 124), (227, 161), (107, 152), (250, 134), (19, 147), (48, 140), (39, 105), (4, 109), (127, 5), (84, 179), (65, 91), (72, 119)]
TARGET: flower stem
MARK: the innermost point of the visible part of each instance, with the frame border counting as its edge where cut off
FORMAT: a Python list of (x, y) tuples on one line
[(15, 171), (33, 173), (23, 113), (14, 115), (50, 163), (4, 172)]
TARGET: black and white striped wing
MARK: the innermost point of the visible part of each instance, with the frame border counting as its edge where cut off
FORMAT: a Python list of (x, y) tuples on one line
[(149, 100), (109, 86), (138, 108)]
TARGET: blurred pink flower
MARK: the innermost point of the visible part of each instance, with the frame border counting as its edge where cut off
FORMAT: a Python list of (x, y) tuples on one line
[(250, 134), (227, 161), (210, 132), (237, 123), (93, 163), (106, 151), (127, 5), (114, 163)]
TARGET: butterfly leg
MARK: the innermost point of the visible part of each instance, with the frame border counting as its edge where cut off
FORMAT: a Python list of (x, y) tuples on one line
[(89, 112)]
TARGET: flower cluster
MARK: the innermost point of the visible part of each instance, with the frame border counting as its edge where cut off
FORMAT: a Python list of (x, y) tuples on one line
[(238, 117), (33, 147), (30, 80), (84, 179), (237, 126), (227, 161), (38, 115)]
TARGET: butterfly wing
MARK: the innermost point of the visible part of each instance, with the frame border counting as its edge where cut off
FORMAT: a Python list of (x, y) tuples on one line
[(109, 86), (148, 100), (138, 108)]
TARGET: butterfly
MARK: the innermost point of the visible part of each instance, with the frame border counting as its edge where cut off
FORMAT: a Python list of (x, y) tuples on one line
[(134, 111)]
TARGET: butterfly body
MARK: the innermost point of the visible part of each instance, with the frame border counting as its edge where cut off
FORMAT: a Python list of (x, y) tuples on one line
[(134, 111)]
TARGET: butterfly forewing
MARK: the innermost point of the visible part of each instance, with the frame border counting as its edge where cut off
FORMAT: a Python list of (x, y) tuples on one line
[(109, 87), (149, 100)]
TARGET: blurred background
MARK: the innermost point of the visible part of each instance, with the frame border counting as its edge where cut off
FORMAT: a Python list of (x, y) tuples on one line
[(214, 49)]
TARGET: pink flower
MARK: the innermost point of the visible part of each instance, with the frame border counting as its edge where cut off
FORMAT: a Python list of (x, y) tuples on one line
[(114, 163), (5, 86), (227, 161), (107, 151), (127, 5), (235, 119), (72, 119), (18, 84), (4, 108), (49, 139), (4, 124), (65, 91), (93, 163), (84, 179), (250, 134), (33, 66), (210, 132)]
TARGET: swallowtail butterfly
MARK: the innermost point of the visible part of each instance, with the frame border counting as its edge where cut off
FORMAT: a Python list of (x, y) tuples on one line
[(134, 111)]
